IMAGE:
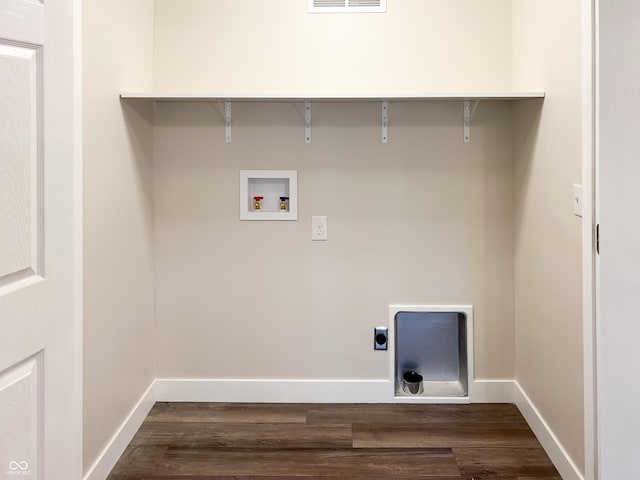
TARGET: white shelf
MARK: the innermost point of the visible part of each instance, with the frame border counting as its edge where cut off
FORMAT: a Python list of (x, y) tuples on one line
[(470, 102), (346, 97)]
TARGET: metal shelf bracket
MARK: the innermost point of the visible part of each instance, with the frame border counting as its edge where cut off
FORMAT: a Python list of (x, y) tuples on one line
[(469, 110), (385, 121), (307, 121), (227, 120)]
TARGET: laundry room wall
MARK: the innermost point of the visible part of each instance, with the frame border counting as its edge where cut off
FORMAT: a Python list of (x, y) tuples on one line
[(118, 217), (276, 47), (548, 242), (424, 219)]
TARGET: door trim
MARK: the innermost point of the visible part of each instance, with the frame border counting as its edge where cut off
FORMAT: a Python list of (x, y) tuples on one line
[(589, 294)]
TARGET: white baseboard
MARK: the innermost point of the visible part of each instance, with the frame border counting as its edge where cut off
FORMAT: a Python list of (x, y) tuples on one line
[(311, 391), (492, 391), (272, 391), (118, 443), (546, 437)]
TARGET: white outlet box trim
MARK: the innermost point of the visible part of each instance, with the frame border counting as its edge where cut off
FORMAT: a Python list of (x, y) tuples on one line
[(290, 185)]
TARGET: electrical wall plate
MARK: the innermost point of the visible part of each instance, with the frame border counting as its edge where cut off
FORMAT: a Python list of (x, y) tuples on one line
[(380, 338), (318, 228)]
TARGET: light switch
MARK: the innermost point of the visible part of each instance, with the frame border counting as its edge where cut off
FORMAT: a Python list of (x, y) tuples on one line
[(577, 200)]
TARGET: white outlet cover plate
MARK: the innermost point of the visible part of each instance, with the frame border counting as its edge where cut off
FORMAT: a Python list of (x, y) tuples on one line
[(318, 228)]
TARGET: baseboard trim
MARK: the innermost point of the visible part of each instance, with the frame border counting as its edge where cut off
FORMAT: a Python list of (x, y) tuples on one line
[(118, 443), (272, 390), (546, 437), (312, 391), (492, 391)]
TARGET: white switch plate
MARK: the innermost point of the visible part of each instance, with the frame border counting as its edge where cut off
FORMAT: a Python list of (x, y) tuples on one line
[(318, 228), (577, 200)]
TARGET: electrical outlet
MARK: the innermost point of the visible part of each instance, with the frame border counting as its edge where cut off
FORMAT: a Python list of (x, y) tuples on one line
[(318, 228), (380, 338)]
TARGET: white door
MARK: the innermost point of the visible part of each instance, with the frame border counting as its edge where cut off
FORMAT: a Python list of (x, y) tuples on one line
[(40, 334), (618, 268)]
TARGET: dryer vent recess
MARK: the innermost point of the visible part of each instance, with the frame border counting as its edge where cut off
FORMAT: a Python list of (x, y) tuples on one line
[(431, 354)]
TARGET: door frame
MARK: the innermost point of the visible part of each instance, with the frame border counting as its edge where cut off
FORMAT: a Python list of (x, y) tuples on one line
[(76, 448), (66, 16), (589, 221), (78, 214)]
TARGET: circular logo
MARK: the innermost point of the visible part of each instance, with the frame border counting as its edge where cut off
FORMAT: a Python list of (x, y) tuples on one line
[(13, 465)]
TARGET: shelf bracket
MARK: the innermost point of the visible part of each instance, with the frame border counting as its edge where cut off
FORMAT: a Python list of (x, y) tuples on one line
[(307, 121), (385, 121), (469, 110), (227, 120)]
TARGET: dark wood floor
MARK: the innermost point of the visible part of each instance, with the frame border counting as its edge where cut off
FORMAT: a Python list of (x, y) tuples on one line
[(197, 441)]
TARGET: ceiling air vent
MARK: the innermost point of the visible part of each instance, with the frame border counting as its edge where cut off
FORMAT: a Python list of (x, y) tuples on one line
[(347, 6)]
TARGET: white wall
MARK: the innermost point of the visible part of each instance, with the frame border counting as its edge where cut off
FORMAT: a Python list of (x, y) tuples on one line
[(618, 151), (548, 274), (118, 222), (212, 320), (423, 219), (275, 46)]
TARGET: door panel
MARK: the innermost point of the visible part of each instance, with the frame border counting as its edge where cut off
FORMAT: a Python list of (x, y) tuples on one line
[(20, 160), (618, 197), (40, 269), (21, 419), (22, 20)]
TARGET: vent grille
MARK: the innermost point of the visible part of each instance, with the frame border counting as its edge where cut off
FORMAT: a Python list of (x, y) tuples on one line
[(329, 3), (364, 3), (347, 6)]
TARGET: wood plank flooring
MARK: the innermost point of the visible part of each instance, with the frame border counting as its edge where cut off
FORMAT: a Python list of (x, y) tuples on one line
[(218, 441)]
